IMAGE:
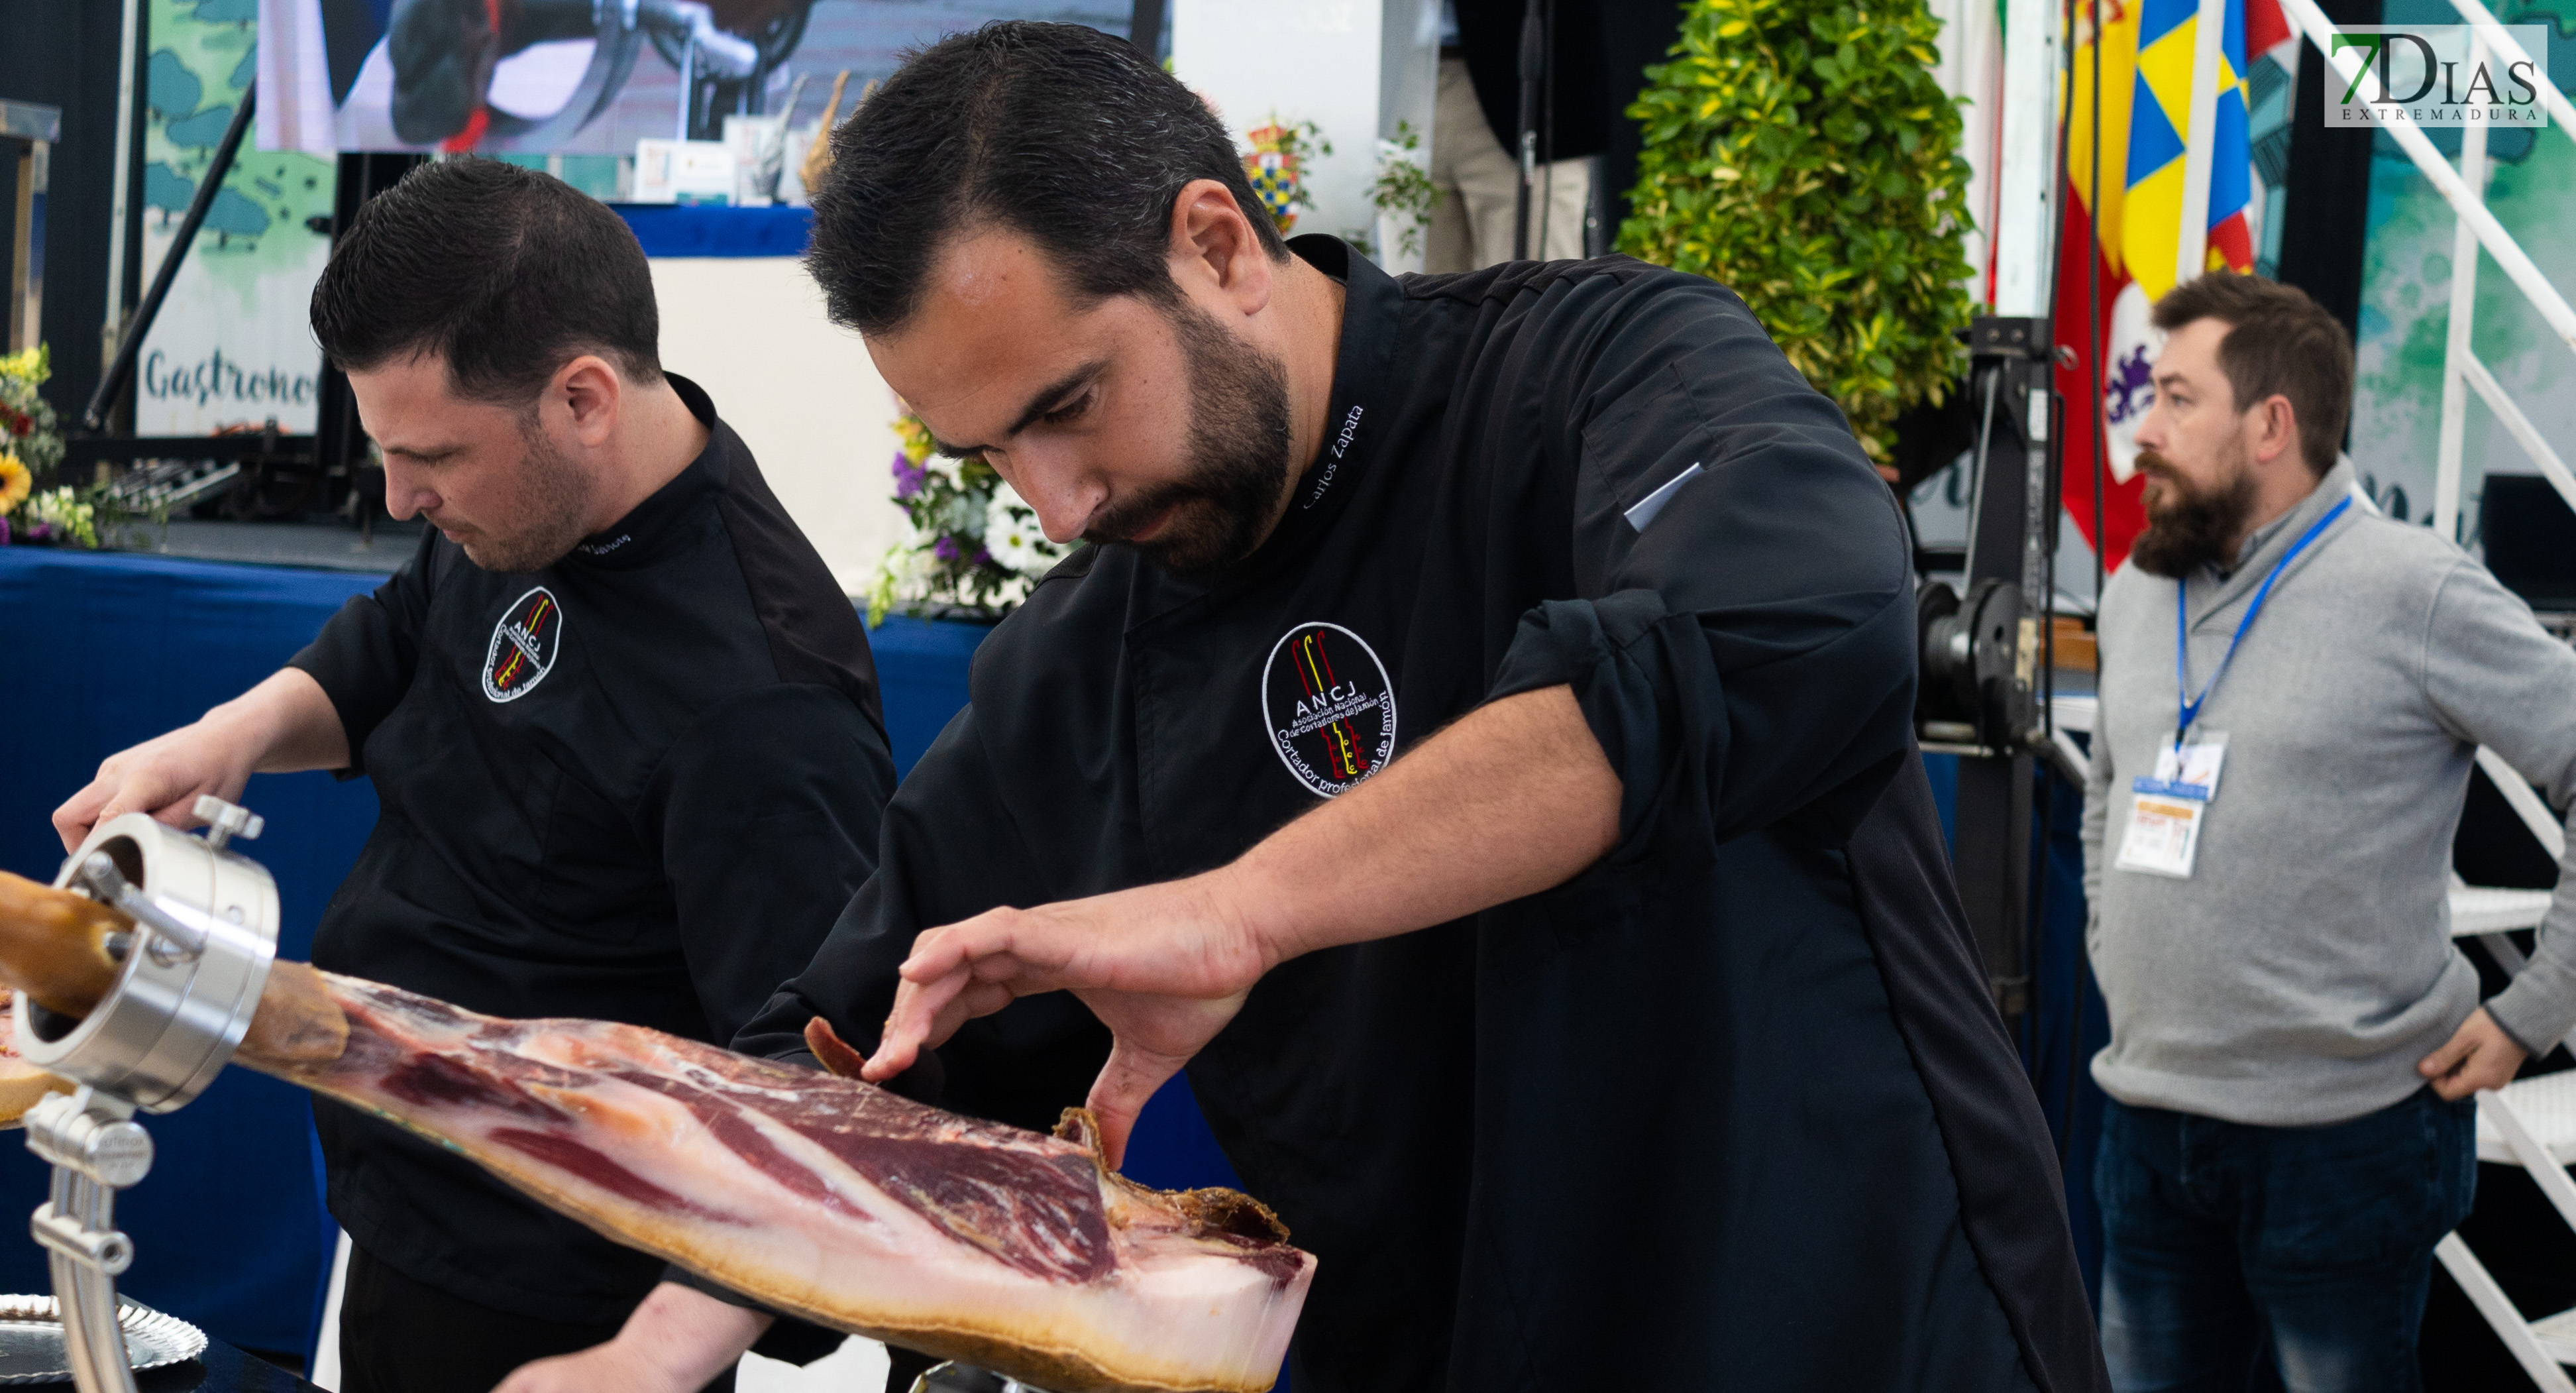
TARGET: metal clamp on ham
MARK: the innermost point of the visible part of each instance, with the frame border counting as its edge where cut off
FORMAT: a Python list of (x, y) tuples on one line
[(188, 980)]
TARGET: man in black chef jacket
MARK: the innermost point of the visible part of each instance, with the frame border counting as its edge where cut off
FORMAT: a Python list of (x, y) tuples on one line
[(622, 726), (1477, 746)]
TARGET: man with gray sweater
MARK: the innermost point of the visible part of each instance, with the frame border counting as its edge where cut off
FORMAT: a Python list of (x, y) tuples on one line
[(2293, 689)]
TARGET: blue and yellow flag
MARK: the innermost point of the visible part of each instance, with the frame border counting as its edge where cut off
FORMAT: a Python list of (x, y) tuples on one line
[(2145, 59), (2160, 124)]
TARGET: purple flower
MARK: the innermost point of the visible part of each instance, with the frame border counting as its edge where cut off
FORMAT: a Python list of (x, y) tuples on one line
[(908, 477), (983, 557), (947, 549)]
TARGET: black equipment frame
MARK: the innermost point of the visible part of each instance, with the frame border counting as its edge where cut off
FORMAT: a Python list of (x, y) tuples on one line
[(267, 456), (1981, 694), (129, 341)]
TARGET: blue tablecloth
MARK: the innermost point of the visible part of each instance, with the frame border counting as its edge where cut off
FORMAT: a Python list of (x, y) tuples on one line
[(99, 651), (921, 679), (670, 229)]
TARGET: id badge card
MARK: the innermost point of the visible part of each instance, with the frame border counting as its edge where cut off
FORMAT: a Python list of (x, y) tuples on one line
[(2167, 813)]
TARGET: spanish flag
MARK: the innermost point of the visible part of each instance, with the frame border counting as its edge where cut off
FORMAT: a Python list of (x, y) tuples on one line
[(2147, 51)]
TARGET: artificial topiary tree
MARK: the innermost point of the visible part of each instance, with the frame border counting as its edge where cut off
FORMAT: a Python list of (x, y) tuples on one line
[(1801, 153)]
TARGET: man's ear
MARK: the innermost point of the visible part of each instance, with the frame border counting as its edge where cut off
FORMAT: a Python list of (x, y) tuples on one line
[(2275, 428), (1215, 252), (591, 391)]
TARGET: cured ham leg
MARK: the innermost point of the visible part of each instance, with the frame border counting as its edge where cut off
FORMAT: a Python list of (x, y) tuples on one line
[(21, 1084), (811, 1193)]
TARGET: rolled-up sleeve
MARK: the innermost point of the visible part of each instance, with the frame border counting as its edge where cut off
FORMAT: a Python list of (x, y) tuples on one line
[(1742, 638)]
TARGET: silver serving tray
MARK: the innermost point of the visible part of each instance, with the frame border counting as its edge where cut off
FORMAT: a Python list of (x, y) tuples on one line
[(31, 1339)]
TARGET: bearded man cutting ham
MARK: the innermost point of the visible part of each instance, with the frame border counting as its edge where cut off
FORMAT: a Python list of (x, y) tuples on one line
[(1476, 746)]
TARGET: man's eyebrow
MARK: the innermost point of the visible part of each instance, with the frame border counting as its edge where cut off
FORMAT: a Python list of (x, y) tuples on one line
[(424, 453), (1047, 399)]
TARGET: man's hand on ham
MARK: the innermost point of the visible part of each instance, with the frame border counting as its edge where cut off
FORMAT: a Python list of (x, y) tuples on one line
[(1514, 798), (1163, 966), (676, 1341)]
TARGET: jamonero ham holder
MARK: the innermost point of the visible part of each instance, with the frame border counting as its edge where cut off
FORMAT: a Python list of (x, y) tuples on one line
[(151, 963)]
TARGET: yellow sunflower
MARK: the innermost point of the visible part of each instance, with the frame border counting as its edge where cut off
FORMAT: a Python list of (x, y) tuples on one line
[(14, 483)]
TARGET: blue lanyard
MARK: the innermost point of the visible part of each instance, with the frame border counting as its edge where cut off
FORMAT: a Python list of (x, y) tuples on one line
[(2182, 624)]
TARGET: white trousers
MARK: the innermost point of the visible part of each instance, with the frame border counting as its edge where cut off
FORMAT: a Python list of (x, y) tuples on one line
[(1479, 183)]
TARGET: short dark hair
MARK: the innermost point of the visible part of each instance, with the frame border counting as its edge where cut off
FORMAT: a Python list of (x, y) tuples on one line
[(1065, 134), (2279, 343), (506, 273)]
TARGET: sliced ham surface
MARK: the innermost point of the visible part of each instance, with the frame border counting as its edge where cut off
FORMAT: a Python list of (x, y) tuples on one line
[(836, 1200), (812, 1193)]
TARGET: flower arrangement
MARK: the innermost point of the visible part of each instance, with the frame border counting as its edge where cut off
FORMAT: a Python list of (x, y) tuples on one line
[(31, 452), (27, 432), (16, 481), (975, 549), (57, 517)]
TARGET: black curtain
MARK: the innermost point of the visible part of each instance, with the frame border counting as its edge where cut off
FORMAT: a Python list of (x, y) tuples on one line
[(2328, 204)]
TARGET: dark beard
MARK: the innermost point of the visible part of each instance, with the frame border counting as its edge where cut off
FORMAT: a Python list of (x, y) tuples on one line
[(1239, 438), (554, 498), (2193, 528)]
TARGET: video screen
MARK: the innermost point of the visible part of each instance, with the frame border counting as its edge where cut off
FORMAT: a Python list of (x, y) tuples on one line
[(591, 77)]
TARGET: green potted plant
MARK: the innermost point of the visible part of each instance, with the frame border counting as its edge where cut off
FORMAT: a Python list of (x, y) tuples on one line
[(1801, 153)]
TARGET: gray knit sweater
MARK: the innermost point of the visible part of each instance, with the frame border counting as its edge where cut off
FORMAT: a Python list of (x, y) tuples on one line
[(2306, 965)]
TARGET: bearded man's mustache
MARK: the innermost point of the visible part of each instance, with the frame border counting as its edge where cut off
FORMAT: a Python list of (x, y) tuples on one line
[(2188, 526)]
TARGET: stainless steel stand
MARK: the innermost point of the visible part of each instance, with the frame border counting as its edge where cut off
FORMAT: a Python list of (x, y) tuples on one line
[(206, 933), (97, 1149)]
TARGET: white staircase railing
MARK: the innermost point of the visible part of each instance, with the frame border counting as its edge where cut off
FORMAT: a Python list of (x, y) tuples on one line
[(2465, 189), (2462, 372)]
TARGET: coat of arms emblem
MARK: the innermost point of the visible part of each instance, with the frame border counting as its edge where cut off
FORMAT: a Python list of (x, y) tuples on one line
[(1272, 168)]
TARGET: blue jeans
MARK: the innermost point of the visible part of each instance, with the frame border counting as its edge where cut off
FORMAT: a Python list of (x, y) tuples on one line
[(2243, 1258)]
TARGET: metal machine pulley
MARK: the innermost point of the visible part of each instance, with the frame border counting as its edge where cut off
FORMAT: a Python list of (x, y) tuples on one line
[(1977, 656), (205, 936)]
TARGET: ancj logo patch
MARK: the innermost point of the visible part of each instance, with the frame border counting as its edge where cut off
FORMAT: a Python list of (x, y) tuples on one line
[(1329, 707), (524, 646)]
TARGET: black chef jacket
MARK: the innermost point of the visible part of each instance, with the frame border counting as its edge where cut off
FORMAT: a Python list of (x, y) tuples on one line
[(1728, 1110), (633, 786)]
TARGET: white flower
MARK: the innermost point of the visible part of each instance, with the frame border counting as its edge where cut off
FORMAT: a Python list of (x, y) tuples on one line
[(63, 509), (1012, 535), (964, 516)]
